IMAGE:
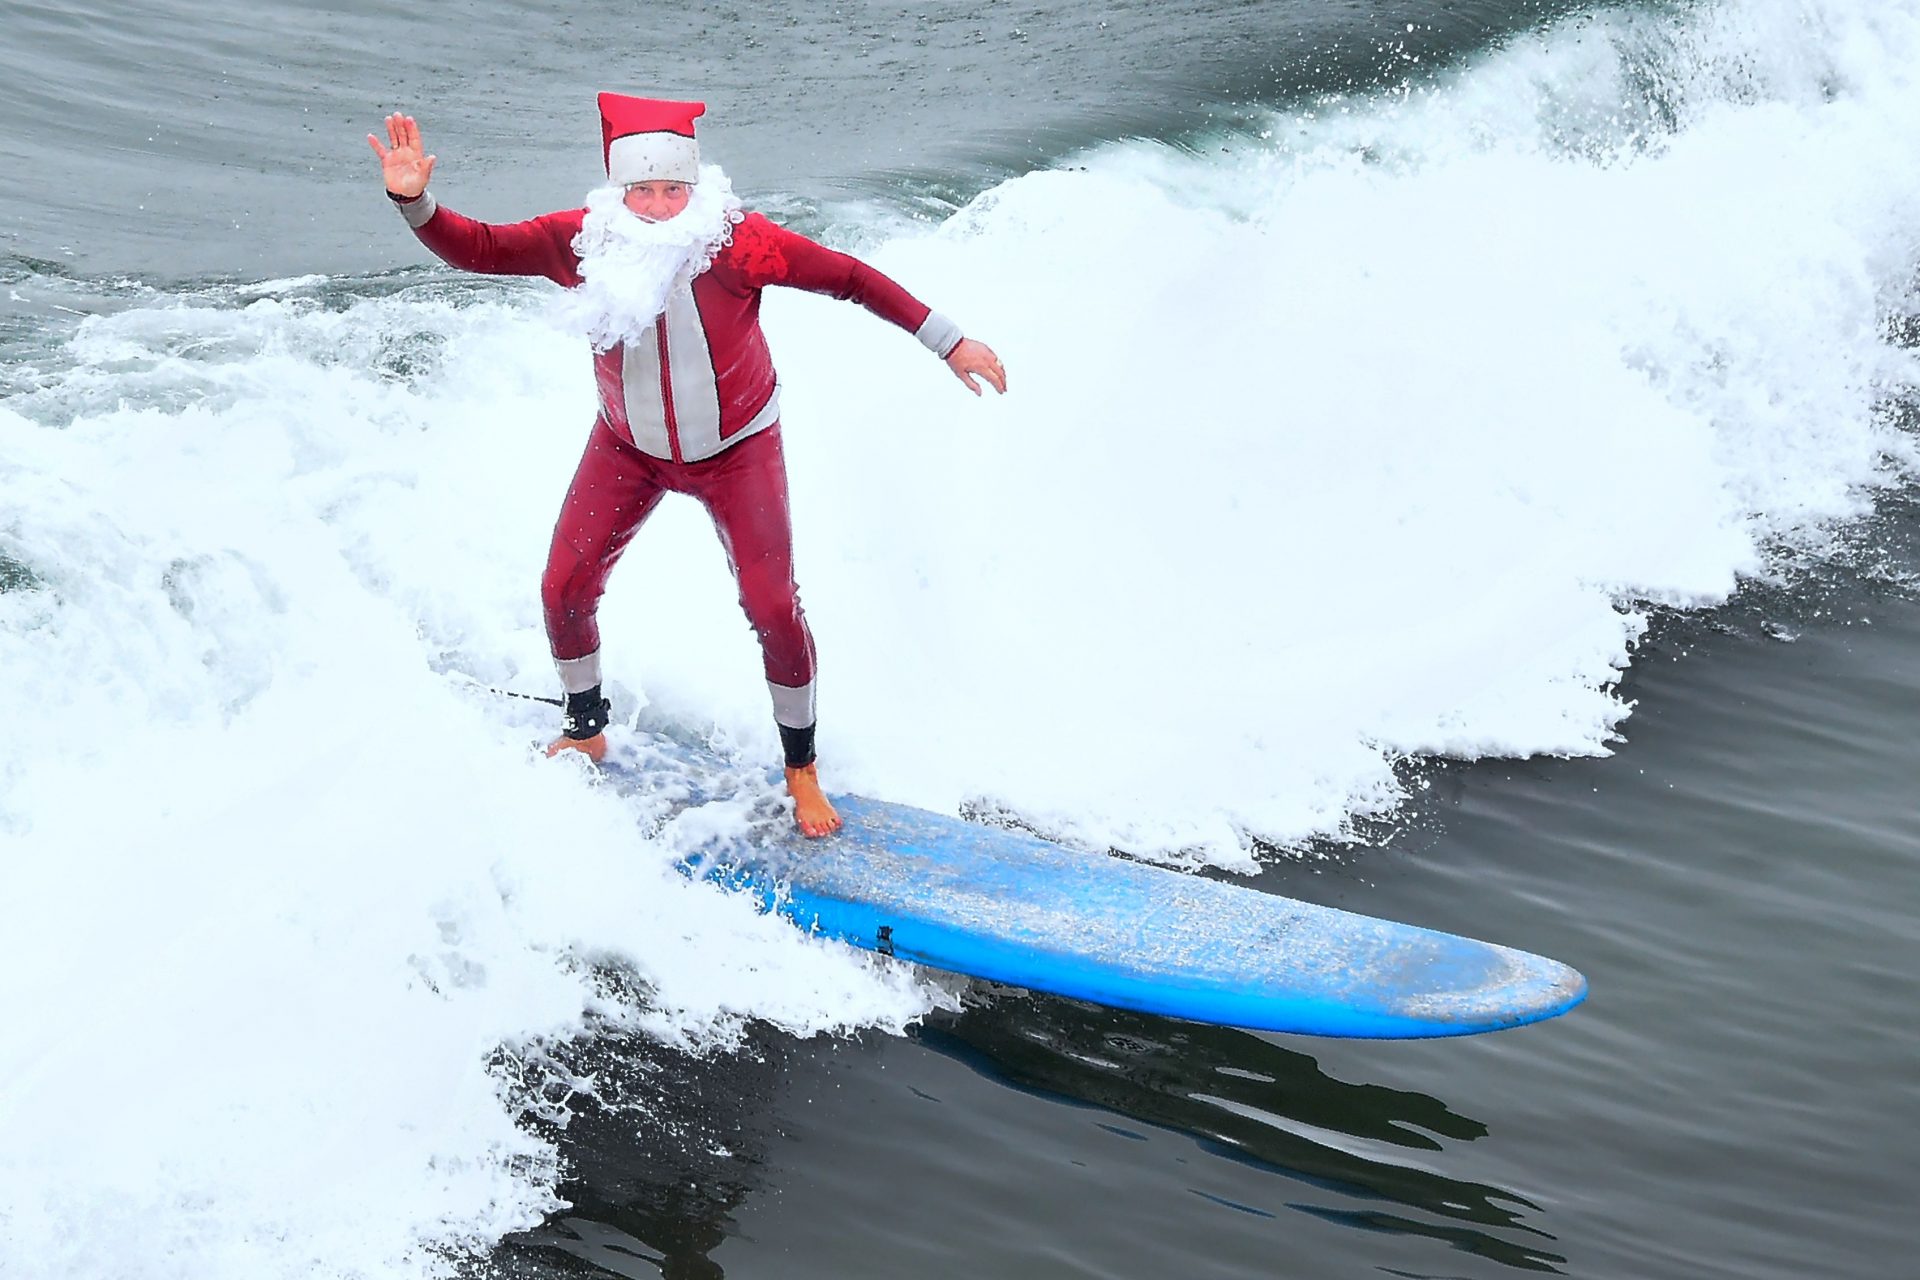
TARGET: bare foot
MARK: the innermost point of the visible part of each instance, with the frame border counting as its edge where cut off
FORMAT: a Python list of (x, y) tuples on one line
[(811, 810), (594, 748)]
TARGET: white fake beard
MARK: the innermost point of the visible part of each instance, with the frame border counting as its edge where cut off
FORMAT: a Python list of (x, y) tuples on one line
[(629, 265)]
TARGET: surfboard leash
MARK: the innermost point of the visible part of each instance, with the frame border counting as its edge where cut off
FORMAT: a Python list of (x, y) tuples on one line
[(530, 697), (509, 693)]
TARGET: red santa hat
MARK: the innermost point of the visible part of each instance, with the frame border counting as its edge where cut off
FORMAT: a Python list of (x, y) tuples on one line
[(649, 139)]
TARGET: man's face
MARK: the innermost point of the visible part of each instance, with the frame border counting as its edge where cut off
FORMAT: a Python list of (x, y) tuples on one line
[(657, 201)]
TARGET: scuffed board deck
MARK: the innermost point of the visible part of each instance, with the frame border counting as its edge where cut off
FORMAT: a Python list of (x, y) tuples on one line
[(1014, 909)]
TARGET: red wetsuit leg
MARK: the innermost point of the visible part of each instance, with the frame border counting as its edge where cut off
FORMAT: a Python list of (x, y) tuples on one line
[(745, 491), (614, 489)]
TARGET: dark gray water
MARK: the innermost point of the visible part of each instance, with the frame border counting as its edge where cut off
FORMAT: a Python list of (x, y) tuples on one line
[(1739, 881), (187, 145)]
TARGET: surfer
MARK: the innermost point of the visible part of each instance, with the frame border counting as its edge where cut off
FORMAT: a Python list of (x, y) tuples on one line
[(664, 270)]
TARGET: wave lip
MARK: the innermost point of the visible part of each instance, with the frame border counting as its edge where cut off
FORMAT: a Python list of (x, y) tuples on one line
[(1373, 436)]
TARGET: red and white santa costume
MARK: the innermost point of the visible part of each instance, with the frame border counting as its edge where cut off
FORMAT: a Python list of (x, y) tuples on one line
[(691, 405)]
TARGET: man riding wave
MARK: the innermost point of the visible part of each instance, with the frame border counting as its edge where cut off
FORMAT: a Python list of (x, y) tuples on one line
[(664, 270)]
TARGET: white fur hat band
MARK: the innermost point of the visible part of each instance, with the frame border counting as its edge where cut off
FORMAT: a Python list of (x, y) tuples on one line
[(649, 139)]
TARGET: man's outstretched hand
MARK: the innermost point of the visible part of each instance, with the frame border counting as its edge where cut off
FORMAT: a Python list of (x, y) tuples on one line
[(404, 163), (971, 358)]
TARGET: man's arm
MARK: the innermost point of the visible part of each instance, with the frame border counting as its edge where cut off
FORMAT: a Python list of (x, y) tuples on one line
[(540, 246), (766, 253)]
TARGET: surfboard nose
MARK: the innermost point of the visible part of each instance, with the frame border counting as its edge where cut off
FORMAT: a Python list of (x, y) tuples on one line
[(1442, 984)]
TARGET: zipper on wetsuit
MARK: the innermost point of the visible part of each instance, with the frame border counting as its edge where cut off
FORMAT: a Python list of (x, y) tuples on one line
[(666, 390)]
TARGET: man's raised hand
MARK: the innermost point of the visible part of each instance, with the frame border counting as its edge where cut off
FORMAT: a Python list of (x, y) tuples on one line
[(971, 358), (404, 163)]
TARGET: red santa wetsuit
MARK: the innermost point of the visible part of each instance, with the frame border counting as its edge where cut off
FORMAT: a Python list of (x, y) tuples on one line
[(692, 407)]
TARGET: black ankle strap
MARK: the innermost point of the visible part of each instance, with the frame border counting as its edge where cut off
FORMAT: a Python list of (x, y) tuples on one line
[(586, 714), (798, 744)]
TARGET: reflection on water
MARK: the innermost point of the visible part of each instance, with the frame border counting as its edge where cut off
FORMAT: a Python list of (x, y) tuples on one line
[(655, 1176), (1257, 1103)]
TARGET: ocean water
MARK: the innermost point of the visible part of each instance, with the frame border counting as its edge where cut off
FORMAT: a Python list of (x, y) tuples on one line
[(1459, 466)]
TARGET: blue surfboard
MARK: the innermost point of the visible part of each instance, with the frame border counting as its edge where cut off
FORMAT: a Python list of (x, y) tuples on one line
[(1011, 908)]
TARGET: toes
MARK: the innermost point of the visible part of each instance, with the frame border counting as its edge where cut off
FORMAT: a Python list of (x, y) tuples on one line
[(813, 828)]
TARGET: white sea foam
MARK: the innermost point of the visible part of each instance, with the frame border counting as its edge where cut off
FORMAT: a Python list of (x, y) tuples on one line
[(274, 886), (1363, 439)]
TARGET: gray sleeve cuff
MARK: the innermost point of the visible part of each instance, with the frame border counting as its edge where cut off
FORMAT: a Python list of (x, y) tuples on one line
[(417, 212), (938, 334)]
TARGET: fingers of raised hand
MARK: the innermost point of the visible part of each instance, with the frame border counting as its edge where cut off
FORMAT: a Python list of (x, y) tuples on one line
[(402, 133)]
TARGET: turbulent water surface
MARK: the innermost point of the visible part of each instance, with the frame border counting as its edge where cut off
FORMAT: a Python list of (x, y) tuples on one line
[(1459, 466)]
